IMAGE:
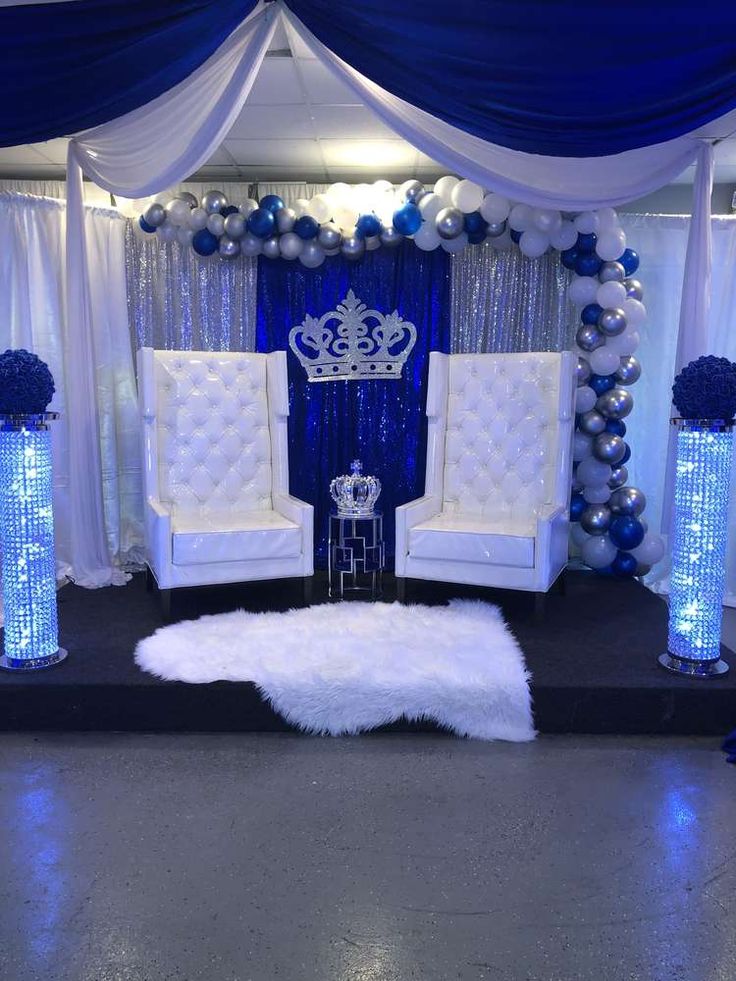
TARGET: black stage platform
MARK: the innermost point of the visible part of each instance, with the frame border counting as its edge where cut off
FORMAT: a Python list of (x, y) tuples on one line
[(593, 657)]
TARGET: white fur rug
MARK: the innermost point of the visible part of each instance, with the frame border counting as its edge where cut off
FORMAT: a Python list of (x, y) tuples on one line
[(346, 667)]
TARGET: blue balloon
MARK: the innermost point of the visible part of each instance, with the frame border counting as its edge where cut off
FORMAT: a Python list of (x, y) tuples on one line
[(587, 264), (626, 457), (475, 222), (204, 242), (606, 571), (602, 383), (616, 426), (591, 313), (586, 243), (514, 235), (475, 238), (408, 219), (367, 226), (577, 505), (626, 532), (271, 202), (230, 209), (261, 222), (630, 261), (568, 257), (624, 565), (145, 226), (306, 227)]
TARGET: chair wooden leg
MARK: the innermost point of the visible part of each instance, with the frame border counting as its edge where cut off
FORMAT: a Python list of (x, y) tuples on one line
[(165, 599), (150, 581), (401, 589), (540, 602), (561, 584), (307, 589)]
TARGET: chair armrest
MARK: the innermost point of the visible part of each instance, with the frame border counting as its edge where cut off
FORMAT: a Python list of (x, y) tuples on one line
[(551, 512), (408, 515), (157, 522), (301, 514)]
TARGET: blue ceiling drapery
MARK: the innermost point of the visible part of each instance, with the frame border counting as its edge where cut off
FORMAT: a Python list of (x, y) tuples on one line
[(558, 79), (66, 67)]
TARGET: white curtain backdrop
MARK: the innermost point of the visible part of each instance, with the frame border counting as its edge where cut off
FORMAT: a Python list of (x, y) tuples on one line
[(32, 316)]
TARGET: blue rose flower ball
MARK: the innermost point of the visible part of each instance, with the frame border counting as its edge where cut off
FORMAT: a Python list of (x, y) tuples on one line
[(706, 389), (26, 384)]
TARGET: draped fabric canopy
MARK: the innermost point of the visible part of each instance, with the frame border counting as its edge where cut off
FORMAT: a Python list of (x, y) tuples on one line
[(509, 95)]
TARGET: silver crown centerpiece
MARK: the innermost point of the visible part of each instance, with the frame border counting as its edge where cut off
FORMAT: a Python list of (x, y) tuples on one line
[(355, 493), (353, 342)]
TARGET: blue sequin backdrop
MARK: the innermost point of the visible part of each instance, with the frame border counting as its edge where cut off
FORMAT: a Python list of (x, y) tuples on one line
[(382, 422)]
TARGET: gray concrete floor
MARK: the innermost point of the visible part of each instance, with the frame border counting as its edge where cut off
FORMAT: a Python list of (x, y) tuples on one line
[(381, 858)]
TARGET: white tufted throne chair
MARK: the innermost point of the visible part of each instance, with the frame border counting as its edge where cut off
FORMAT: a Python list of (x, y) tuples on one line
[(499, 460), (216, 474)]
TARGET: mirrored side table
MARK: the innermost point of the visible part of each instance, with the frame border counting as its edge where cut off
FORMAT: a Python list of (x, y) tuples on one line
[(356, 554)]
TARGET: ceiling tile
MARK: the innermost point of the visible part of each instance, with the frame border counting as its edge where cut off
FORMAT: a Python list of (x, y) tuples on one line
[(53, 151), (353, 122), (20, 155), (323, 88), (267, 122), (276, 83), (259, 153), (369, 155), (220, 158)]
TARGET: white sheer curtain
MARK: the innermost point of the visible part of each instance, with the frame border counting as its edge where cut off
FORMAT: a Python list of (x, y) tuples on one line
[(32, 316)]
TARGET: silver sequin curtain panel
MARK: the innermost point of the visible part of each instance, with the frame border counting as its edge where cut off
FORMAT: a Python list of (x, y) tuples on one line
[(502, 301), (178, 301)]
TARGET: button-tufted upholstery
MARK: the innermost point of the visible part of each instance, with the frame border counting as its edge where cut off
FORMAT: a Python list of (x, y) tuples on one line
[(498, 472), (216, 469)]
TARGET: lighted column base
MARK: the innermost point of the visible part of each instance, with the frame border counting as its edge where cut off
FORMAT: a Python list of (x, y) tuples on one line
[(32, 663), (694, 669)]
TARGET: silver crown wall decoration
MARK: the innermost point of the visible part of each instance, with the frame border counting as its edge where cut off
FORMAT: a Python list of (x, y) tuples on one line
[(355, 493), (353, 342)]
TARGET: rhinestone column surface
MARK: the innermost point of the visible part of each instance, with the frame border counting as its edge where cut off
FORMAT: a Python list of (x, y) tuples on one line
[(27, 538), (698, 577)]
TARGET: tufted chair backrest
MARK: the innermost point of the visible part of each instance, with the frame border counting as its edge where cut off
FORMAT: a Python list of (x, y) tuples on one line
[(508, 434), (212, 439)]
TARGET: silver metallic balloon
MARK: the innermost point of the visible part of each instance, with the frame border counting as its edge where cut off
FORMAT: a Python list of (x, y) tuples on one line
[(190, 198), (285, 218), (271, 247), (312, 255), (629, 370), (619, 476), (235, 226), (628, 500), (213, 201), (390, 237), (329, 236), (155, 214), (609, 448), (450, 222), (588, 337), (634, 289), (372, 242), (582, 372), (414, 190), (612, 321), (228, 247), (352, 247), (216, 224), (616, 403), (592, 424), (596, 519), (612, 272), (250, 244), (495, 228)]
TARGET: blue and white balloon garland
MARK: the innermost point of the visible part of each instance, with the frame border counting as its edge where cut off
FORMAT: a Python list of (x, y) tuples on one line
[(608, 527)]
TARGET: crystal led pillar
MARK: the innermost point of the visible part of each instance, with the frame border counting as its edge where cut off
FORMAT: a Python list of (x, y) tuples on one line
[(27, 542), (698, 576)]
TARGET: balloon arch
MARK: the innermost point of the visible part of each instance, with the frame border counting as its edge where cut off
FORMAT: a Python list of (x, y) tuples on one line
[(608, 527)]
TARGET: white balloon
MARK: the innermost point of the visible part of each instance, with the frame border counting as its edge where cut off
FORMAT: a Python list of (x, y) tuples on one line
[(495, 207), (624, 344), (345, 218), (382, 186), (184, 235), (501, 242), (520, 217), (320, 208), (611, 244), (578, 534), (583, 289), (533, 243), (216, 224), (564, 237), (592, 472), (444, 188), (587, 222), (339, 193), (582, 446), (457, 244), (585, 399), (247, 206), (427, 238), (547, 220), (430, 206), (597, 495), (650, 551), (467, 196), (178, 212), (290, 245), (197, 219), (604, 361), (167, 232), (599, 551), (607, 218), (636, 312), (611, 294)]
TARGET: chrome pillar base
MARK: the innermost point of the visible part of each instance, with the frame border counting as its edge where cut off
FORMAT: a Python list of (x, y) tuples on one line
[(694, 669), (32, 663)]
